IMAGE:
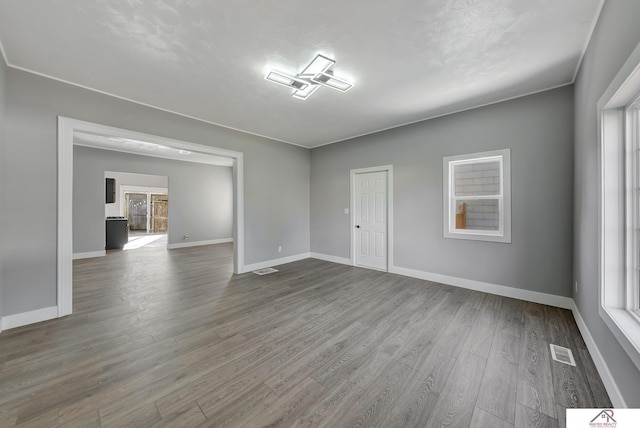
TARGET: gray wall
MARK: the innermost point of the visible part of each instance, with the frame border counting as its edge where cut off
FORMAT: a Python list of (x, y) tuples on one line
[(539, 131), (615, 37), (3, 86), (276, 179), (200, 196)]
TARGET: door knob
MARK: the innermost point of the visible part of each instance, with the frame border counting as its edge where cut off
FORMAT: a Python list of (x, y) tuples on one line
[(357, 226)]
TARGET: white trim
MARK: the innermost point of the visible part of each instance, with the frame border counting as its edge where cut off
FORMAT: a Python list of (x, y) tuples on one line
[(89, 255), (210, 160), (199, 243), (436, 116), (65, 215), (276, 262), (66, 128), (531, 296), (96, 128), (603, 369), (632, 200), (31, 317), (128, 188), (309, 147), (352, 224), (131, 100), (587, 42), (238, 210), (485, 287), (503, 234), (613, 149), (332, 259), (621, 322)]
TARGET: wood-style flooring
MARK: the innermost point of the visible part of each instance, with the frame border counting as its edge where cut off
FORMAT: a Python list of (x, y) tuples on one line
[(172, 338)]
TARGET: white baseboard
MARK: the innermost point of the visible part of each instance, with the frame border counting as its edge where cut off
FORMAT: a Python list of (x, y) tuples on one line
[(89, 255), (536, 297), (31, 317), (603, 370), (44, 314), (199, 243), (333, 259), (500, 290), (275, 262)]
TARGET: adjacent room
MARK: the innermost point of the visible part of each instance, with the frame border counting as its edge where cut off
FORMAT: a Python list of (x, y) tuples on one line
[(122, 198), (333, 214), (136, 210)]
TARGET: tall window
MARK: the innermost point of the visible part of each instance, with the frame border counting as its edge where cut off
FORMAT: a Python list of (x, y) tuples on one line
[(632, 298), (477, 196), (619, 200)]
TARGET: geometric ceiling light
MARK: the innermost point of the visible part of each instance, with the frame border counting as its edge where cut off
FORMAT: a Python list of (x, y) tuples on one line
[(318, 73)]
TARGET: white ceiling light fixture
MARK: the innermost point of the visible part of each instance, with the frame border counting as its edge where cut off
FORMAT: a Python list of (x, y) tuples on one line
[(327, 78), (303, 94), (285, 80), (318, 73)]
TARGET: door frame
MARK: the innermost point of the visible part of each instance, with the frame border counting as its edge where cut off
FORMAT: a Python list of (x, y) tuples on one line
[(389, 219), (66, 129)]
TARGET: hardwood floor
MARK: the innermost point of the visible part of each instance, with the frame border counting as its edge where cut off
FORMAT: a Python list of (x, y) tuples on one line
[(173, 338)]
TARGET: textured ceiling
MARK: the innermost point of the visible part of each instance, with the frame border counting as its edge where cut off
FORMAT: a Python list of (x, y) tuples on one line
[(409, 60)]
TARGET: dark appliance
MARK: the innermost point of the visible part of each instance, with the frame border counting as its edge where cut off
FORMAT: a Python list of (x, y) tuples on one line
[(110, 190), (117, 232)]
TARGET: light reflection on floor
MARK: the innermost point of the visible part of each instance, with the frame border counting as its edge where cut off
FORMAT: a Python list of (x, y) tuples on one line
[(139, 241)]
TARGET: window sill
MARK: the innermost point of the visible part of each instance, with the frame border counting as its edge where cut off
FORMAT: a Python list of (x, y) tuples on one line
[(626, 329), (478, 236)]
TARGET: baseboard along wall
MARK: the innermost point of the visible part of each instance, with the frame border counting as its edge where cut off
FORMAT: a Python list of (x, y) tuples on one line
[(199, 243), (275, 262), (486, 287), (30, 317), (527, 295), (89, 255), (39, 315), (332, 259), (601, 365)]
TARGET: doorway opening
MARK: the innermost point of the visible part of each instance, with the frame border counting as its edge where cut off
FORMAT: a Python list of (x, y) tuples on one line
[(147, 215), (136, 211), (146, 212), (122, 140), (141, 202)]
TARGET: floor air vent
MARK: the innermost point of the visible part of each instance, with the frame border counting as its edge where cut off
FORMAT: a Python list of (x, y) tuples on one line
[(562, 355), (265, 271)]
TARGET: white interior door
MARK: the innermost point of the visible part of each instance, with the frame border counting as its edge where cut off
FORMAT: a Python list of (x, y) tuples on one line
[(371, 219)]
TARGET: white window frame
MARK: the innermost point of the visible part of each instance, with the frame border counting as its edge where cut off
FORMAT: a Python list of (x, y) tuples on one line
[(619, 224), (503, 234), (632, 292)]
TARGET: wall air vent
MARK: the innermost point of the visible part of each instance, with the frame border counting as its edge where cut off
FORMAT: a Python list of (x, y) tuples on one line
[(265, 271)]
